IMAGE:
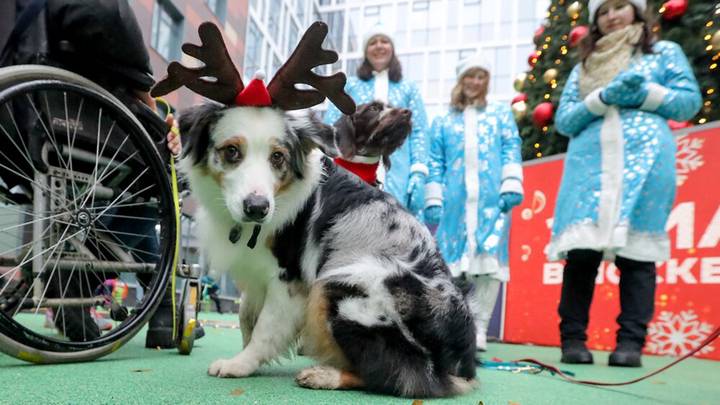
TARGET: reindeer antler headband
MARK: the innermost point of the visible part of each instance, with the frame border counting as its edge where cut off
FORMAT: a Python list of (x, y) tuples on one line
[(227, 86)]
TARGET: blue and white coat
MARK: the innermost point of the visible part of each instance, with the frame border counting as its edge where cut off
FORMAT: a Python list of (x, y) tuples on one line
[(618, 185), (412, 155), (467, 176)]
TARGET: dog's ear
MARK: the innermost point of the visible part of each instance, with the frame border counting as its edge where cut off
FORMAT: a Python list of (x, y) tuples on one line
[(386, 161), (345, 136), (195, 125), (313, 133)]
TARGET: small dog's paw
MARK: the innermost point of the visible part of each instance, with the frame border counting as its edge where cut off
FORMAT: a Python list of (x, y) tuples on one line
[(230, 368), (319, 378)]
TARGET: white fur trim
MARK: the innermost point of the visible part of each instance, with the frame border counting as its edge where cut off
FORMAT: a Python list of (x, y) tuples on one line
[(612, 163), (377, 29), (632, 245), (656, 94), (481, 265), (594, 5), (382, 85), (511, 185), (594, 103), (419, 168), (472, 181), (363, 159), (433, 194), (473, 61), (512, 170)]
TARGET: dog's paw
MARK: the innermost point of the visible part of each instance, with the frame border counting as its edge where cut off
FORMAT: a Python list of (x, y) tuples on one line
[(226, 368), (319, 378)]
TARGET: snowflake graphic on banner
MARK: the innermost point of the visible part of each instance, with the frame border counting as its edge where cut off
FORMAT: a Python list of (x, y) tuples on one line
[(677, 334), (688, 157)]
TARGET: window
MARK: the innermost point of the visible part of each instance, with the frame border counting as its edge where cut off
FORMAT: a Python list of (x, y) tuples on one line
[(273, 23), (372, 11), (292, 37), (253, 47), (353, 34), (218, 7), (336, 23), (300, 10), (166, 30)]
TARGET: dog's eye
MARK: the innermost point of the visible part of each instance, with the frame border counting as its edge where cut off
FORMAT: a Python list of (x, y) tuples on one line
[(277, 159), (231, 154)]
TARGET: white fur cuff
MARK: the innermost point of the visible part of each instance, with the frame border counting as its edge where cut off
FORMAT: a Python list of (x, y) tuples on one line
[(656, 94), (594, 103), (511, 186), (419, 168), (433, 194), (512, 171)]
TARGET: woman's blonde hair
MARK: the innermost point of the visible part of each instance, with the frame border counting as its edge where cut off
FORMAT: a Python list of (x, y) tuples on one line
[(458, 100)]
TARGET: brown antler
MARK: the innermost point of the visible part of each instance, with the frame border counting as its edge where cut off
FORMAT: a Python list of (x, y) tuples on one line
[(297, 69), (217, 64)]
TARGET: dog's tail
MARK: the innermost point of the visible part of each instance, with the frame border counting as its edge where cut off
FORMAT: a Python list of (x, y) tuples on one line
[(389, 363)]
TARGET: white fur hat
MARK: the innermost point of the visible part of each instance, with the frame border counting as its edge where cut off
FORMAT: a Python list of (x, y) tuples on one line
[(470, 62), (377, 29), (594, 5)]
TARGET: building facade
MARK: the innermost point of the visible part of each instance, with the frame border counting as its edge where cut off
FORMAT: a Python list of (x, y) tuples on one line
[(167, 24), (432, 35)]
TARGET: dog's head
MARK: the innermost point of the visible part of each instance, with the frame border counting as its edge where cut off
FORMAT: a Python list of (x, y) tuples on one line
[(250, 156), (375, 129)]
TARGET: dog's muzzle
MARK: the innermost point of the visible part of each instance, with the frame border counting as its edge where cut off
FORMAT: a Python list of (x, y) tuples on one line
[(256, 207)]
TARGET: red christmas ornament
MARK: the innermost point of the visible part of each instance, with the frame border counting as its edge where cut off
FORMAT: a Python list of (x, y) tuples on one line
[(542, 114), (577, 34), (674, 9), (679, 125), (255, 94), (532, 59), (518, 98), (539, 31)]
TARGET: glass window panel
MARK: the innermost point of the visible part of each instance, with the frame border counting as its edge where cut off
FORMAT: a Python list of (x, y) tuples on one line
[(253, 47), (273, 23), (166, 30), (353, 30)]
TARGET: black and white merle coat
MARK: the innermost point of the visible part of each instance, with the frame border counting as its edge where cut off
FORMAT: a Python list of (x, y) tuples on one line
[(337, 262)]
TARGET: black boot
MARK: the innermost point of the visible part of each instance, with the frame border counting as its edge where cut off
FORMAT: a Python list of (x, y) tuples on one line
[(574, 309), (637, 304), (626, 354), (575, 352), (160, 328)]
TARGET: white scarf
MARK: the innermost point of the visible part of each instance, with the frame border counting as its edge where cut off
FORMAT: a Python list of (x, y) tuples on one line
[(382, 85), (612, 55)]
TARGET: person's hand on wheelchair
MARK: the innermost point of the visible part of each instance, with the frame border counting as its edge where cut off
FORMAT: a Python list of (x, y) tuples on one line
[(174, 144)]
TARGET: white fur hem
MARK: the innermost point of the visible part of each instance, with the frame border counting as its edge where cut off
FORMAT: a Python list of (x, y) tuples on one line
[(483, 265), (512, 170), (656, 94), (419, 168), (594, 103), (511, 185), (433, 194), (641, 246)]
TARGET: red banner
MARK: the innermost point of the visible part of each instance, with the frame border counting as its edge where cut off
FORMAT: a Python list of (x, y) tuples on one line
[(687, 308)]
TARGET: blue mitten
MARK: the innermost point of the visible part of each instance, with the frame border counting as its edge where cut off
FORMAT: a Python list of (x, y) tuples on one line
[(416, 192), (628, 89), (432, 215), (509, 200)]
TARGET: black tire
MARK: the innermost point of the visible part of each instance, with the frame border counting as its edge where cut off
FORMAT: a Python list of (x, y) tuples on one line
[(92, 219)]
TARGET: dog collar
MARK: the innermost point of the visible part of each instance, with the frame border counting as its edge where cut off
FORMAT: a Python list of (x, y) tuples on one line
[(364, 167)]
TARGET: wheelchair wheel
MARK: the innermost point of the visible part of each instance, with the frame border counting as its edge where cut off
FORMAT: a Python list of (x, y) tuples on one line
[(87, 218)]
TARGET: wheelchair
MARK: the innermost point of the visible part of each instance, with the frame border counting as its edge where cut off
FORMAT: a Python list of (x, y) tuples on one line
[(89, 218)]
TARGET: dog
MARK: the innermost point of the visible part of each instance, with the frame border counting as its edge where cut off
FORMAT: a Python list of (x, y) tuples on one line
[(323, 257), (371, 134)]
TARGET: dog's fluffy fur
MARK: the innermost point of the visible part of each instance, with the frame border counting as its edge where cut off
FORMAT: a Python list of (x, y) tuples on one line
[(337, 262)]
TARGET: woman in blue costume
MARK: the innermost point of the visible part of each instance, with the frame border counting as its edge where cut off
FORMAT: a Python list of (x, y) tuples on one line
[(619, 181), (475, 179), (380, 78)]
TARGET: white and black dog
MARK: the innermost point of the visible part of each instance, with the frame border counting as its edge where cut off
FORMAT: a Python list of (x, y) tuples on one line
[(320, 254)]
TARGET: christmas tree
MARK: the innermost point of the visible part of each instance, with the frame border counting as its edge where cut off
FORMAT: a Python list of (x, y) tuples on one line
[(694, 25)]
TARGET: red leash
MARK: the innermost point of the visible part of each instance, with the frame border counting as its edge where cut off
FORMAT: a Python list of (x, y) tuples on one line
[(554, 369)]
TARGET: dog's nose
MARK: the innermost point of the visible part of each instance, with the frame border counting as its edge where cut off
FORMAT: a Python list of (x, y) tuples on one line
[(406, 113), (256, 207)]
